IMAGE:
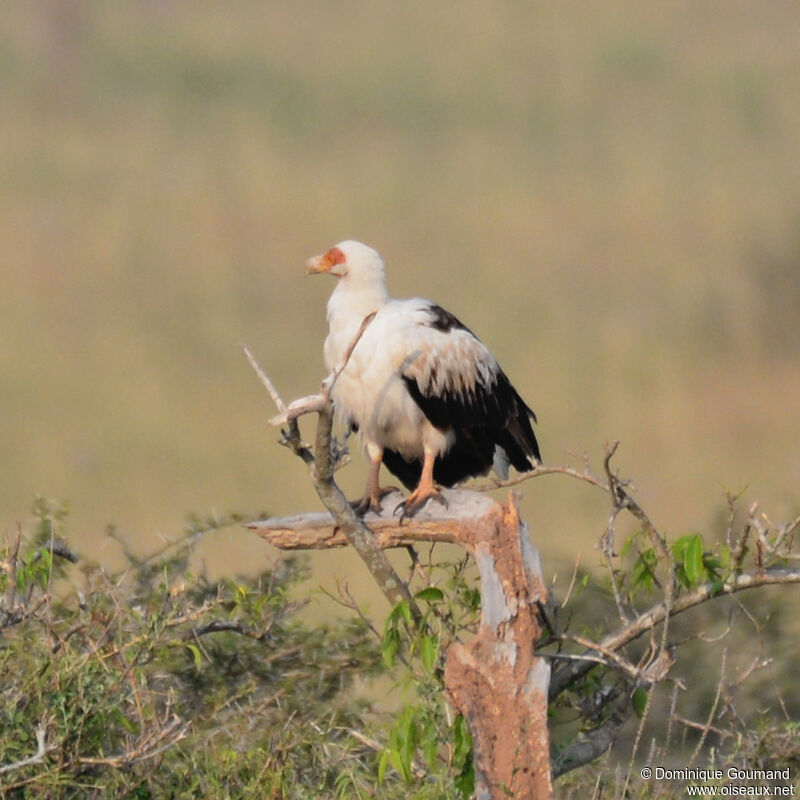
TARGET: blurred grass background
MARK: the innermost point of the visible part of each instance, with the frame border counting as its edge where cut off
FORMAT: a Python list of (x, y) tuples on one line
[(608, 194)]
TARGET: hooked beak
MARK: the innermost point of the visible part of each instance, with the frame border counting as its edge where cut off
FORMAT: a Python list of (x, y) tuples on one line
[(318, 265)]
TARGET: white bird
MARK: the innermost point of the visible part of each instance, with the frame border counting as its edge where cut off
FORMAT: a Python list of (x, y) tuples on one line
[(426, 396)]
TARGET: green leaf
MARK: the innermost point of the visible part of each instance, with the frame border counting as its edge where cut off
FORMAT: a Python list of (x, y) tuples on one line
[(639, 700), (643, 572), (429, 652), (680, 574), (400, 611), (403, 743), (389, 646), (382, 764), (430, 743), (472, 599), (693, 559), (679, 547), (430, 595), (400, 764), (196, 654), (465, 780), (712, 563), (462, 741)]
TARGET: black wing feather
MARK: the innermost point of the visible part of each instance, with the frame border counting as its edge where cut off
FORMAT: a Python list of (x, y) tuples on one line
[(487, 416)]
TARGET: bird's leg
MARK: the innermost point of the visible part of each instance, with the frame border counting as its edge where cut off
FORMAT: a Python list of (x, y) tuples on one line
[(373, 492), (426, 489)]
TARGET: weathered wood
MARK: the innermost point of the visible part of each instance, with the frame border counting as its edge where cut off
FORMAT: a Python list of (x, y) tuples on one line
[(496, 681), (433, 523)]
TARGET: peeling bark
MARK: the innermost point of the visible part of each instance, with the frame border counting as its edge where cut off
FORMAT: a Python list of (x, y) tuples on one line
[(496, 681)]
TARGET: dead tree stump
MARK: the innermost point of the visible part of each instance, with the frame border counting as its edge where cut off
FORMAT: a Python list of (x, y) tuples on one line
[(496, 680)]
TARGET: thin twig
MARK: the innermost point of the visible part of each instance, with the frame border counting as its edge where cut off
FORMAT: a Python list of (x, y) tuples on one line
[(539, 471), (738, 551), (611, 655), (701, 726), (572, 581), (607, 542), (265, 381), (712, 712)]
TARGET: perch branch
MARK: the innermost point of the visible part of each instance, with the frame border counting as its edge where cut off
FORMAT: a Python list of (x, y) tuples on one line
[(319, 530)]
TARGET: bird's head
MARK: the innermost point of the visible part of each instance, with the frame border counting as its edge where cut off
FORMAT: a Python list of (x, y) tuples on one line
[(352, 260)]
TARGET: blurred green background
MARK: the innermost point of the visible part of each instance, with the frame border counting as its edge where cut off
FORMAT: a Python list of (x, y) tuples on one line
[(607, 193)]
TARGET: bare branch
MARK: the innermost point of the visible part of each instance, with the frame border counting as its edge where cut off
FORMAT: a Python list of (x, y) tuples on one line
[(312, 403), (648, 620), (739, 549), (611, 656), (572, 581), (265, 381), (581, 475), (613, 481), (607, 543)]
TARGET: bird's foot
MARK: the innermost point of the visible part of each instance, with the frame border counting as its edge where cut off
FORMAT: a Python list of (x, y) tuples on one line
[(417, 499), (371, 501)]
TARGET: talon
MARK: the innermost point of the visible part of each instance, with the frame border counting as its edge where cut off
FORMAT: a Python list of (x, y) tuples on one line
[(418, 499), (371, 501)]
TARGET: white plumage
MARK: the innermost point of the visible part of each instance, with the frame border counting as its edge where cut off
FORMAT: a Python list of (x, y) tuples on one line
[(427, 397)]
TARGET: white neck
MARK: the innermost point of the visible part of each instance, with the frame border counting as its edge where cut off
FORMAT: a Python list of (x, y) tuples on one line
[(347, 307), (351, 300)]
